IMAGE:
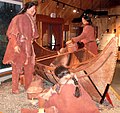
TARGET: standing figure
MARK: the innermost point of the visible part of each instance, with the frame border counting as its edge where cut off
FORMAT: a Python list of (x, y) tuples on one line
[(87, 36), (68, 96), (21, 33)]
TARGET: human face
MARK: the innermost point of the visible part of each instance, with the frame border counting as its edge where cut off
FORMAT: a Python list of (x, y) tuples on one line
[(84, 21), (64, 79), (31, 10)]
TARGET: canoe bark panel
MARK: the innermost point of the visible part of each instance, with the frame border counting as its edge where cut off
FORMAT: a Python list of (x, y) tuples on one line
[(94, 73)]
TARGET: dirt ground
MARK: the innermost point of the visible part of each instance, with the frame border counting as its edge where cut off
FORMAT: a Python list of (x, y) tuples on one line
[(12, 103)]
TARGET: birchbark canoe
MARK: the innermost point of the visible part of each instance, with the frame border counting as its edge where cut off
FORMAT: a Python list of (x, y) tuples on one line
[(94, 73)]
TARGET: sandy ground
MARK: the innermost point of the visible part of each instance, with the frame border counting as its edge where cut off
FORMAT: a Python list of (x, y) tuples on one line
[(12, 103)]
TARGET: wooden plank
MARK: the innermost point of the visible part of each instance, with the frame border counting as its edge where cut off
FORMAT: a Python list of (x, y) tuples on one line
[(5, 71)]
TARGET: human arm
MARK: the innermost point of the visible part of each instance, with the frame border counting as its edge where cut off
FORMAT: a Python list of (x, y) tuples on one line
[(46, 94), (47, 109), (12, 34), (82, 35), (14, 43)]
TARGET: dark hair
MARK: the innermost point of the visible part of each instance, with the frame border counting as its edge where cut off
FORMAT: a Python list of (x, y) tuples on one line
[(27, 6), (88, 19), (77, 90), (61, 71)]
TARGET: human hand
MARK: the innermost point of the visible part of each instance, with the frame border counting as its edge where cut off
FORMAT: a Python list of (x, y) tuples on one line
[(17, 49), (68, 42), (26, 62)]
